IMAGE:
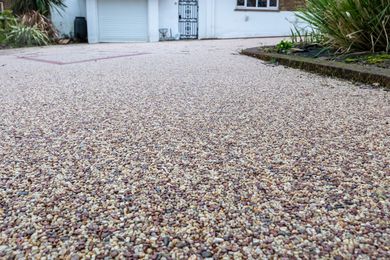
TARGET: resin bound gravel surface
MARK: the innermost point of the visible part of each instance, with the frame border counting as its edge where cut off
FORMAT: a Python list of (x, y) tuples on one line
[(187, 150)]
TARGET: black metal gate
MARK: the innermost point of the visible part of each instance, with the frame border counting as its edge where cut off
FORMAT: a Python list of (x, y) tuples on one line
[(188, 19)]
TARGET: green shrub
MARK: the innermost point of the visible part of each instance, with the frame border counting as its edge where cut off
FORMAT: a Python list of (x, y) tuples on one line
[(22, 35), (302, 37), (283, 46), (34, 18), (351, 25), (30, 29), (7, 19), (41, 6)]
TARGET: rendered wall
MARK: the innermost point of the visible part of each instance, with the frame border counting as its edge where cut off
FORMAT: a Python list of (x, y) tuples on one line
[(169, 16), (219, 19), (92, 21), (207, 19), (153, 20), (64, 20)]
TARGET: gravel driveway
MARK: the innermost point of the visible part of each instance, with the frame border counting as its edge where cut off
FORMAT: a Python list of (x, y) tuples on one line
[(188, 150)]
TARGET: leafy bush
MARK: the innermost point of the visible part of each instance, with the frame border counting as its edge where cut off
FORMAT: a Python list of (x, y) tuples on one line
[(30, 29), (283, 46), (302, 37), (34, 18), (7, 19), (41, 6), (22, 35), (351, 25)]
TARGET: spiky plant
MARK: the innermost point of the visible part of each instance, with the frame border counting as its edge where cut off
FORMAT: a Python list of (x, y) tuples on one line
[(351, 25), (34, 18), (7, 20), (42, 6), (22, 35)]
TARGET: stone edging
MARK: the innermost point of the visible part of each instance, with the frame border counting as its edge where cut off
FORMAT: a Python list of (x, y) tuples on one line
[(352, 72)]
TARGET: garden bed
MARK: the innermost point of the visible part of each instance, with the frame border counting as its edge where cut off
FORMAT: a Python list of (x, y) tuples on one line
[(369, 69), (316, 51)]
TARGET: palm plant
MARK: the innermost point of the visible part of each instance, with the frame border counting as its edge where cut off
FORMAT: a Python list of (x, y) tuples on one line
[(7, 20), (351, 25), (22, 35), (41, 6), (34, 18)]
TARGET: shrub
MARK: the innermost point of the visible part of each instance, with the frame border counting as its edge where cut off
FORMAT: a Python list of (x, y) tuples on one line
[(302, 37), (34, 18), (283, 46), (22, 35), (41, 6), (351, 25), (7, 19)]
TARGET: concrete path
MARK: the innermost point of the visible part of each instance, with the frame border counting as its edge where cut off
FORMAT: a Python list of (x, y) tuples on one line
[(187, 150)]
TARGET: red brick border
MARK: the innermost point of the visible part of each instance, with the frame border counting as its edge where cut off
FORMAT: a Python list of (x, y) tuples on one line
[(80, 61)]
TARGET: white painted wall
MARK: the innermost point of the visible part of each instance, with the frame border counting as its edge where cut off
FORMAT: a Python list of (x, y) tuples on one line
[(169, 16), (64, 20), (92, 21), (153, 20), (230, 23), (219, 19), (206, 22)]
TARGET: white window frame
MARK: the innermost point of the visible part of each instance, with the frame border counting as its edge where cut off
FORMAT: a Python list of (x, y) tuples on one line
[(1, 7), (245, 7)]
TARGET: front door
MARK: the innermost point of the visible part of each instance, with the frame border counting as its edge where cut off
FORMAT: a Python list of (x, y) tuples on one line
[(188, 19)]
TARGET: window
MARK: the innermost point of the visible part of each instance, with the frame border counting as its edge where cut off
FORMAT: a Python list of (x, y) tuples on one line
[(258, 4)]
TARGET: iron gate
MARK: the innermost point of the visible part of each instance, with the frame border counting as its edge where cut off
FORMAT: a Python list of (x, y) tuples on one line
[(188, 19)]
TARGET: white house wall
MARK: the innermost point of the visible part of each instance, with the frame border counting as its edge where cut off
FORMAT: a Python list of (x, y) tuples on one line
[(64, 20), (219, 19), (153, 20), (206, 23), (169, 16), (92, 21), (230, 23)]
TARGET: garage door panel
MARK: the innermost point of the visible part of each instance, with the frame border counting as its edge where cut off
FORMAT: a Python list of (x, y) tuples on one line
[(122, 20)]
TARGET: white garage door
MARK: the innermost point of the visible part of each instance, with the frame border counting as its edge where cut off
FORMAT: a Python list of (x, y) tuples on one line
[(123, 20)]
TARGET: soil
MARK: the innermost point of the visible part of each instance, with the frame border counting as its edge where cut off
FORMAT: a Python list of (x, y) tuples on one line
[(315, 51)]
